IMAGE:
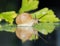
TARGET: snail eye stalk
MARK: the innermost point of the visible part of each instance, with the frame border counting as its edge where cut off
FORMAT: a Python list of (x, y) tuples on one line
[(39, 18)]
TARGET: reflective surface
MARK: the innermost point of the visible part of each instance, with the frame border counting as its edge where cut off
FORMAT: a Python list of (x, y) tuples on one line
[(8, 37)]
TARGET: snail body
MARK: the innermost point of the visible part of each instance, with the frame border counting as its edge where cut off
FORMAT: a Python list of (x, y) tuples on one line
[(25, 19)]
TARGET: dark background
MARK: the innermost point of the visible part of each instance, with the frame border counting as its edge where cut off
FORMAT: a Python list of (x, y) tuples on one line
[(10, 39)]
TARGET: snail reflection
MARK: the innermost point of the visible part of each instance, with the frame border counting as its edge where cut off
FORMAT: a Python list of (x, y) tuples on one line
[(25, 33)]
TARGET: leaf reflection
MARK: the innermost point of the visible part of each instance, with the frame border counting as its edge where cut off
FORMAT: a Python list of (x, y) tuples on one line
[(40, 26), (25, 33), (8, 28)]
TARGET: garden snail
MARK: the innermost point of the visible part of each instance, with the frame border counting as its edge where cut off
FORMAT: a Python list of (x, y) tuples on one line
[(25, 19), (24, 28)]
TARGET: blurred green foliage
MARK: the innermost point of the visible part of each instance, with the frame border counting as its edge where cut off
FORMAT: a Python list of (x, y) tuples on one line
[(28, 5), (8, 16), (45, 16)]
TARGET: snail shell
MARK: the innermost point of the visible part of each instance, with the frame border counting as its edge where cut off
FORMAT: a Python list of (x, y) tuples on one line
[(24, 19)]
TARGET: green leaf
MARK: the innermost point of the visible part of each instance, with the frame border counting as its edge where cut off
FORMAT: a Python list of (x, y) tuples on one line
[(33, 37), (8, 28), (40, 13), (0, 19), (45, 28), (28, 5), (45, 15), (49, 17), (8, 16)]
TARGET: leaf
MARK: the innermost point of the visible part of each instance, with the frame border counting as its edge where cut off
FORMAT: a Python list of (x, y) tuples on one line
[(49, 17), (45, 15), (33, 37), (8, 16), (0, 19), (8, 28), (28, 5), (40, 13), (45, 28)]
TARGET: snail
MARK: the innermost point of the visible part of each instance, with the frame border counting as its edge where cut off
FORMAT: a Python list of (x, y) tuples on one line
[(24, 28), (25, 19)]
